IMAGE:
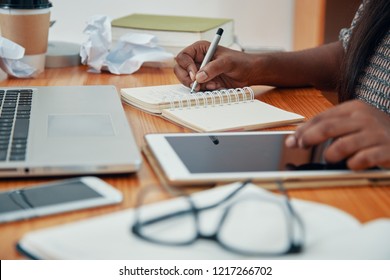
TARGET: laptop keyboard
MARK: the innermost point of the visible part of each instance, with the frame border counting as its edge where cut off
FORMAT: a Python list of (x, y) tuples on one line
[(15, 108)]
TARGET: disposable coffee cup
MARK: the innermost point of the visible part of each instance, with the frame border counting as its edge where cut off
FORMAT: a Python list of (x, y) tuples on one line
[(27, 22)]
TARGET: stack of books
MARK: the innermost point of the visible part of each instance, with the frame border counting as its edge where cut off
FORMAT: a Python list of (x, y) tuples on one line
[(174, 33)]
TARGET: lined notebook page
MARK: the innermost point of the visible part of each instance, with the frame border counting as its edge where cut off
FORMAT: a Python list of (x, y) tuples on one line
[(157, 94), (156, 98), (248, 115)]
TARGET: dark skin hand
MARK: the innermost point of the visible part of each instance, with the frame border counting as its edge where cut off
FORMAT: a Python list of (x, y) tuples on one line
[(228, 67), (361, 135)]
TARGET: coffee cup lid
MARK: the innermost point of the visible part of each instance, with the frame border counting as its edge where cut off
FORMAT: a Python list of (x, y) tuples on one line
[(25, 4)]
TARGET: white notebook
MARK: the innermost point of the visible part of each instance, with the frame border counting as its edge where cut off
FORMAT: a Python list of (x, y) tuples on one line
[(209, 111), (329, 233)]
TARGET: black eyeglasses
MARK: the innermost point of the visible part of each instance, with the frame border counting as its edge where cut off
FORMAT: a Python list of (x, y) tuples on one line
[(247, 223)]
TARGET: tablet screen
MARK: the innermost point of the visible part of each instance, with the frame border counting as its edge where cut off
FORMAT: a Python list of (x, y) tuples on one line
[(245, 153)]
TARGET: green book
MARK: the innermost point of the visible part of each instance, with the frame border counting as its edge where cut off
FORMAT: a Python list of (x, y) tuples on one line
[(174, 32), (169, 23)]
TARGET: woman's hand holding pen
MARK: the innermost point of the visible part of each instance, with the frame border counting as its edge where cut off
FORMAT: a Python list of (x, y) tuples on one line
[(227, 69), (361, 135)]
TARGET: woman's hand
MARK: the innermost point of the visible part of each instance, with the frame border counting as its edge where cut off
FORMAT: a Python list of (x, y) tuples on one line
[(361, 135), (227, 69)]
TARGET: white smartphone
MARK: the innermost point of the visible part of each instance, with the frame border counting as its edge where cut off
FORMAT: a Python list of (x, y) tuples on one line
[(56, 197)]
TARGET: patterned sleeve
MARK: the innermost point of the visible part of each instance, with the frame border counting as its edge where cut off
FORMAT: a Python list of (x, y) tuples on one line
[(345, 33)]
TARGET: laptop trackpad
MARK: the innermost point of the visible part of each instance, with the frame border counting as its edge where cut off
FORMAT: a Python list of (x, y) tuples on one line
[(79, 125)]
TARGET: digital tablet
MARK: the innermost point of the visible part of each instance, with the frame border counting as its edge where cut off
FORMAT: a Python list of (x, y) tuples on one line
[(197, 158)]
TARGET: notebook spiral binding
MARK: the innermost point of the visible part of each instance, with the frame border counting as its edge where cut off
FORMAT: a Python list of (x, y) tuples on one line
[(211, 98)]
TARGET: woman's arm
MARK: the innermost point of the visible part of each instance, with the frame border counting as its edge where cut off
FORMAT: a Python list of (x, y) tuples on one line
[(318, 67)]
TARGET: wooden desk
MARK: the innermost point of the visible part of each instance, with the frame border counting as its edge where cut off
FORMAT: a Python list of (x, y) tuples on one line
[(365, 203)]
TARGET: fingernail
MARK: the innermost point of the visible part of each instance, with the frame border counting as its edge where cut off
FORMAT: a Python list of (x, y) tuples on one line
[(192, 76), (291, 141), (201, 76)]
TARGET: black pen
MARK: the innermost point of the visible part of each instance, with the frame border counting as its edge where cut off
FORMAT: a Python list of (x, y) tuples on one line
[(209, 54)]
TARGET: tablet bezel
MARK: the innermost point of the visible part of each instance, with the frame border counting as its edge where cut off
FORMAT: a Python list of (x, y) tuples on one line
[(176, 173)]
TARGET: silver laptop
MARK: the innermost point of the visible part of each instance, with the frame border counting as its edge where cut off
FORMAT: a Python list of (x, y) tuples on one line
[(64, 130)]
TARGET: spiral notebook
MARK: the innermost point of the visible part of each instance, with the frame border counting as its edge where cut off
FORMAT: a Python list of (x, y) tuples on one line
[(209, 111)]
